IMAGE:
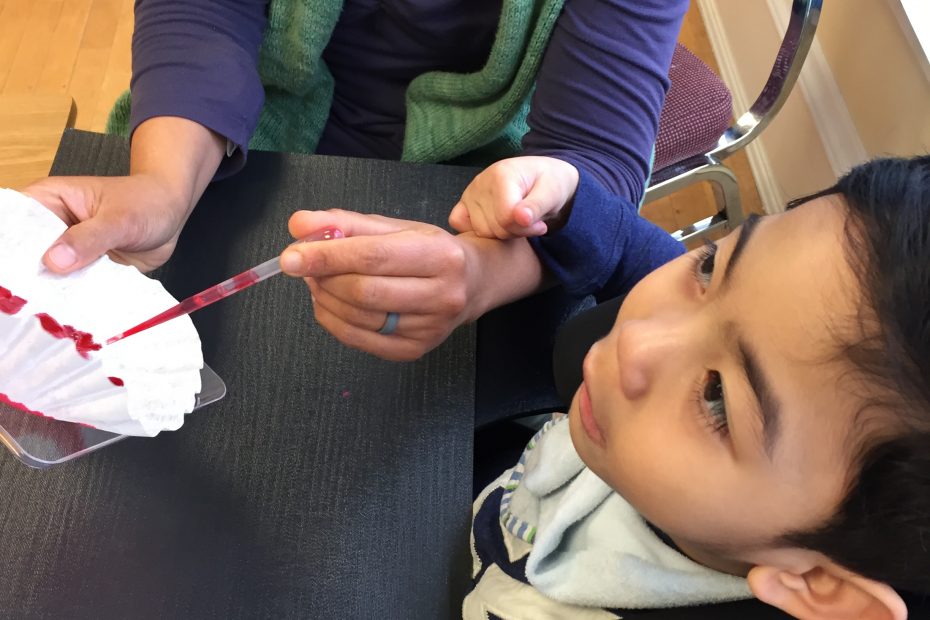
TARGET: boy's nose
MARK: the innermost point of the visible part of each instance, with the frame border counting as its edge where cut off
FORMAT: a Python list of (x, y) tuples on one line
[(644, 347)]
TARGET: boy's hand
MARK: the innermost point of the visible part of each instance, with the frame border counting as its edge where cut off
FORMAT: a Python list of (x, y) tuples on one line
[(518, 197)]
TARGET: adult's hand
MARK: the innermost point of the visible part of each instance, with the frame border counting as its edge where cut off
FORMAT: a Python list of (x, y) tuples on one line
[(434, 280), (517, 197), (136, 218)]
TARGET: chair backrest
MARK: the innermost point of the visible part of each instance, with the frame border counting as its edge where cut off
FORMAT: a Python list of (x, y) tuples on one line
[(805, 14), (698, 108)]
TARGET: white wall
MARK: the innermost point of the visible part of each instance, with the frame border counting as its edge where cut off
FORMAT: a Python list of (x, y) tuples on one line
[(864, 90)]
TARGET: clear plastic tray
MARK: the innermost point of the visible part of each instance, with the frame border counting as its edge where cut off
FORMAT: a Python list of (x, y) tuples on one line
[(42, 442)]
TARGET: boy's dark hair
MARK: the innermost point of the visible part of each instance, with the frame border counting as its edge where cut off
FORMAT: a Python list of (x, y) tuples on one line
[(882, 527)]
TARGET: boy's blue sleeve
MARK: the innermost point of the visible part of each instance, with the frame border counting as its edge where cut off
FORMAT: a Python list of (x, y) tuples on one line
[(605, 248)]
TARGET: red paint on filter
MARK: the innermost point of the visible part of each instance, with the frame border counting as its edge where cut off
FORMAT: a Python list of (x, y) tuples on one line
[(12, 403), (10, 303), (117, 381), (83, 342)]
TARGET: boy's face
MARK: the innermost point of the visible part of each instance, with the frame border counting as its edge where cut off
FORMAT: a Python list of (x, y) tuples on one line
[(713, 406)]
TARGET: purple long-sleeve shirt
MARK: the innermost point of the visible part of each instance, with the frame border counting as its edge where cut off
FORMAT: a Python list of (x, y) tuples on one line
[(598, 92)]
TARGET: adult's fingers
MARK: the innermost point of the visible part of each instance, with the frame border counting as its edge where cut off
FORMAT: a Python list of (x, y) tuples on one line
[(410, 324), (304, 223), (55, 196), (135, 219), (422, 253), (395, 347), (83, 243), (393, 294), (371, 320)]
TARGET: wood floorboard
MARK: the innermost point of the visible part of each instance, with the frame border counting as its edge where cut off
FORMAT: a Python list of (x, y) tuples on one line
[(55, 75), (33, 49), (14, 16)]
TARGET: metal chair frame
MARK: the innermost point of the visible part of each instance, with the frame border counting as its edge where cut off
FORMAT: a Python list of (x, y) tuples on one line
[(795, 45)]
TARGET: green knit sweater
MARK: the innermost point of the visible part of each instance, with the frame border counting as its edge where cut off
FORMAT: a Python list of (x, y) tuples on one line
[(475, 117)]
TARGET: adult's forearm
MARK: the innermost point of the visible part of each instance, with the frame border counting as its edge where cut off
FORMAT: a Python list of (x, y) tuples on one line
[(181, 154), (503, 272), (197, 59), (601, 88)]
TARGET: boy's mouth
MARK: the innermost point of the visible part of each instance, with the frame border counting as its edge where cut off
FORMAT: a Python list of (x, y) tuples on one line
[(586, 413)]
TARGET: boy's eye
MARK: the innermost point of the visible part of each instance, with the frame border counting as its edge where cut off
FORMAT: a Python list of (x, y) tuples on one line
[(704, 263), (713, 404)]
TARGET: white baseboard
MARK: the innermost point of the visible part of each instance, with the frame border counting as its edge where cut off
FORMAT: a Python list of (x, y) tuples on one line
[(825, 101), (770, 192), (831, 117)]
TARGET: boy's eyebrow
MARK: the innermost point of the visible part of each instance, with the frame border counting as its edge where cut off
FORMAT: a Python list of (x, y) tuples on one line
[(745, 233), (769, 405)]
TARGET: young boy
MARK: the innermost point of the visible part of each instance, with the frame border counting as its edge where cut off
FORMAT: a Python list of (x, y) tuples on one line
[(756, 423)]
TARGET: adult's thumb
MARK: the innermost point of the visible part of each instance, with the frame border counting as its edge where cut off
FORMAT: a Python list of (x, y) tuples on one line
[(81, 245)]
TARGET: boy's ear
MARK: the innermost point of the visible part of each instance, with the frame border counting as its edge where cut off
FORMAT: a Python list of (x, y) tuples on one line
[(824, 593)]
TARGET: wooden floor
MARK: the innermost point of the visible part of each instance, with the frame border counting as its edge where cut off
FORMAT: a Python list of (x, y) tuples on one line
[(80, 49)]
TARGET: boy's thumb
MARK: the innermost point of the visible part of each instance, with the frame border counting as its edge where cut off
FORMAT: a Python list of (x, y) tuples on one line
[(80, 245), (459, 218), (542, 202)]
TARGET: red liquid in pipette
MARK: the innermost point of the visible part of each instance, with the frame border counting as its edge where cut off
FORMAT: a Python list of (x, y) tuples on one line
[(214, 293)]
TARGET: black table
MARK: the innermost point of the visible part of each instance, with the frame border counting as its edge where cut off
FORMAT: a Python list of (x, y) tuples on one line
[(327, 483)]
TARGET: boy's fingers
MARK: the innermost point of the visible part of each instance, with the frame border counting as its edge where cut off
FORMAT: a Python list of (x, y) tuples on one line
[(524, 215), (459, 219), (544, 199), (485, 224)]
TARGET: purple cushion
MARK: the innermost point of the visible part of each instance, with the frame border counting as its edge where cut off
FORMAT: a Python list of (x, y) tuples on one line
[(697, 110)]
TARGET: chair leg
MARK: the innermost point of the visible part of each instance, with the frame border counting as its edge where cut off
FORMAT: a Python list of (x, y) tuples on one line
[(730, 214), (724, 179)]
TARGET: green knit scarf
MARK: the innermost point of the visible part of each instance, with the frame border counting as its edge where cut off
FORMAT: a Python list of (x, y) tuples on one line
[(474, 118)]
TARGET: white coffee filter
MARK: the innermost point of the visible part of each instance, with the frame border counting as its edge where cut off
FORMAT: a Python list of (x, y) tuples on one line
[(159, 369)]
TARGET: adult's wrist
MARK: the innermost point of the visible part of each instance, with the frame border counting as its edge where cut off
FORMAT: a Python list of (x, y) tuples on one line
[(178, 154), (499, 272)]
